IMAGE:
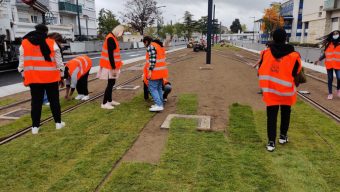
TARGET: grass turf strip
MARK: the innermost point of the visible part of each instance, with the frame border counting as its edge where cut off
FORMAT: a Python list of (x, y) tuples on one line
[(77, 157), (26, 121), (197, 161)]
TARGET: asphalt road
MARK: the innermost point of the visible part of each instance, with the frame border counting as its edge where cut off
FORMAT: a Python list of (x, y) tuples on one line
[(12, 76)]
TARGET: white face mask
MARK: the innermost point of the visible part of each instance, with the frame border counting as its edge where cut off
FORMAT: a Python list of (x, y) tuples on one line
[(336, 36)]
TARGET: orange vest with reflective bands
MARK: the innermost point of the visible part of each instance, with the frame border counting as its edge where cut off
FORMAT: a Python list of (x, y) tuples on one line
[(145, 74), (104, 60), (36, 69), (79, 66), (160, 70), (276, 80), (332, 57)]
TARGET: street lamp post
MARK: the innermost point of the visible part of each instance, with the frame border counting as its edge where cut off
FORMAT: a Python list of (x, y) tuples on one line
[(79, 27), (208, 58), (253, 30), (213, 31)]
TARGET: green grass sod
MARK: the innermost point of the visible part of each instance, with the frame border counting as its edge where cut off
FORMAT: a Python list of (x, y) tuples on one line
[(77, 157), (198, 161), (187, 104), (25, 120), (4, 102)]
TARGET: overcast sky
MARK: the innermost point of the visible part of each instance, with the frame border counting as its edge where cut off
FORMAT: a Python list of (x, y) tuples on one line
[(226, 10)]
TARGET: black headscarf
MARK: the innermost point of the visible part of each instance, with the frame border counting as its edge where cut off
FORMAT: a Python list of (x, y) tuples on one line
[(279, 48), (38, 37)]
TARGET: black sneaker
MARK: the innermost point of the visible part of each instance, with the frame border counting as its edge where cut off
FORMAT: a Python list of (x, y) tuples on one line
[(271, 146), (283, 139)]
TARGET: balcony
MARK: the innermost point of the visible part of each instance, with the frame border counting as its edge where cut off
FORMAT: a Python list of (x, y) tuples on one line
[(331, 5), (69, 8)]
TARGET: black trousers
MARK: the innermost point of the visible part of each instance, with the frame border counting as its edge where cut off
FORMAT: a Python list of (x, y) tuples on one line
[(272, 112), (82, 85), (108, 90), (37, 94)]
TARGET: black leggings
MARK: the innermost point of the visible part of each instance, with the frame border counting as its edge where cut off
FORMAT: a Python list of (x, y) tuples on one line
[(272, 112), (108, 90), (37, 94), (82, 85)]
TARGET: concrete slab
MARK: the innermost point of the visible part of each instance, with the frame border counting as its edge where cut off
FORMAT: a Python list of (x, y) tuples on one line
[(128, 87), (16, 114), (203, 121), (206, 68)]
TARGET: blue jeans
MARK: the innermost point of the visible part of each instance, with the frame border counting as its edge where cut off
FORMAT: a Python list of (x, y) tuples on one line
[(330, 79), (155, 88), (45, 100)]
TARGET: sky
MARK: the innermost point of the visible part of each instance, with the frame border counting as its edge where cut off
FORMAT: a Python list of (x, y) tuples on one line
[(226, 10)]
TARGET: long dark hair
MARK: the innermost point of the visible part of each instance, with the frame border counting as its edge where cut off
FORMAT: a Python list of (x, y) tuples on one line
[(328, 39)]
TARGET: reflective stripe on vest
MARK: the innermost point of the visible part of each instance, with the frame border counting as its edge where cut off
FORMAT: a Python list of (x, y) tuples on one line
[(276, 80), (33, 68), (160, 68), (286, 94), (35, 58)]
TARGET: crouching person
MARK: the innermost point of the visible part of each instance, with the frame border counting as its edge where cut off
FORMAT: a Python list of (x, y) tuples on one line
[(156, 71), (166, 87), (76, 74)]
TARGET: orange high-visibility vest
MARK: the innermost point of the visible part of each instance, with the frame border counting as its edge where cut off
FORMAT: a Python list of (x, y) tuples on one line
[(104, 60), (276, 80), (36, 69), (145, 75), (332, 57), (79, 66), (160, 70)]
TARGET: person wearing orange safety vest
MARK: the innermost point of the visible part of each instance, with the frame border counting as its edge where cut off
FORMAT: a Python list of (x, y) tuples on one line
[(41, 65), (110, 64), (76, 74), (331, 43), (166, 86), (156, 71), (280, 65)]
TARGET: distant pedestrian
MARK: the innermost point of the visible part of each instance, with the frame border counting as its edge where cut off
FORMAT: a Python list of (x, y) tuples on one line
[(280, 65), (76, 74), (331, 44), (156, 71), (41, 64), (110, 64)]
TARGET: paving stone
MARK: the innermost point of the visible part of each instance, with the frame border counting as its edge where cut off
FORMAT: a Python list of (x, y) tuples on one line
[(203, 121)]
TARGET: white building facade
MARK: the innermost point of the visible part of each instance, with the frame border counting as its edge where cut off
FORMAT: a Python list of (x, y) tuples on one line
[(320, 17), (17, 18)]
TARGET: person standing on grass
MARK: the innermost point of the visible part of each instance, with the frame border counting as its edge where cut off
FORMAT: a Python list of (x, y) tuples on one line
[(280, 65), (156, 71), (331, 43), (76, 74), (42, 67), (110, 64)]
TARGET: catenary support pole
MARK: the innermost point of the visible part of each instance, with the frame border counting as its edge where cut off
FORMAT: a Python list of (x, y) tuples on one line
[(208, 58)]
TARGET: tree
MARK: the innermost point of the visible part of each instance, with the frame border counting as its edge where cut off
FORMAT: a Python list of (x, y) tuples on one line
[(140, 14), (272, 19), (235, 27), (167, 30), (106, 22), (188, 24), (202, 25), (244, 27), (179, 29)]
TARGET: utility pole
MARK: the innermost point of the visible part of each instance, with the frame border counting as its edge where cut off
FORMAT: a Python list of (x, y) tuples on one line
[(220, 31), (208, 58), (213, 31), (79, 28), (253, 30)]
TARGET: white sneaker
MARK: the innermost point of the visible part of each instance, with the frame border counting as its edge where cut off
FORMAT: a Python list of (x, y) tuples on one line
[(79, 97), (271, 146), (47, 104), (85, 98), (107, 106), (330, 97), (35, 130), (115, 103), (60, 125), (156, 108)]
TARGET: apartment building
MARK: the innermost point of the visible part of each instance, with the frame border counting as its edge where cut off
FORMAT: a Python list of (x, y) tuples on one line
[(320, 17), (18, 18), (291, 11)]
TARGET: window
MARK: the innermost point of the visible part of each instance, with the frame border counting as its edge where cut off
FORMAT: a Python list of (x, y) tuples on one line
[(34, 19), (306, 25), (320, 14), (321, 8), (336, 19), (24, 20)]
